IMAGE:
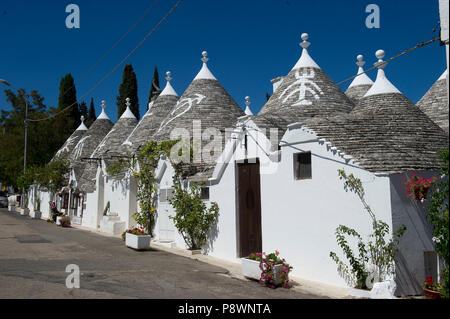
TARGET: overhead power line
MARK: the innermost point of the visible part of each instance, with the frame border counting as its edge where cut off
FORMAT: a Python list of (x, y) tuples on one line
[(115, 68), (115, 44), (419, 45)]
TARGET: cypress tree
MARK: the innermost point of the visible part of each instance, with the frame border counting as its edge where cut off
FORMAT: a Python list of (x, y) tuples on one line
[(154, 86), (83, 109), (91, 115), (128, 88), (67, 97)]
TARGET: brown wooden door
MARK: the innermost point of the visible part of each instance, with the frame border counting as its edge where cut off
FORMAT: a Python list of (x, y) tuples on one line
[(249, 198)]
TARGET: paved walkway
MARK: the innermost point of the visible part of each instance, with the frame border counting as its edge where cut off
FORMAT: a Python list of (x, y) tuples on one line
[(34, 255)]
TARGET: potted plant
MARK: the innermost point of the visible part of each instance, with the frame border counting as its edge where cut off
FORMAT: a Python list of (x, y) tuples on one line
[(24, 211), (37, 210), (270, 270), (418, 186), (136, 238), (431, 289), (64, 221), (57, 217)]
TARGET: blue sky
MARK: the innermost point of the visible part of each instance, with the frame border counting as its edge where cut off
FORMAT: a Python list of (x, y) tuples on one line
[(249, 42)]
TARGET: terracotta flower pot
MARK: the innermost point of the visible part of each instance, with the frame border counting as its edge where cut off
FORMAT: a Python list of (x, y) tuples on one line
[(431, 294)]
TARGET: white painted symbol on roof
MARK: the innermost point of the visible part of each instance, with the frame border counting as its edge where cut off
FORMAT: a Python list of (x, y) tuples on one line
[(65, 148), (301, 86), (79, 148), (183, 105)]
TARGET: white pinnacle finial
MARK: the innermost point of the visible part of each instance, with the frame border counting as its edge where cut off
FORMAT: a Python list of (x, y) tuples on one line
[(127, 103), (103, 114), (168, 77), (247, 106), (82, 127), (382, 85), (360, 62), (205, 58), (305, 44), (380, 64)]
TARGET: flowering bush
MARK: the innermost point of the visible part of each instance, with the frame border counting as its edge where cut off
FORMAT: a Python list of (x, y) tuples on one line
[(430, 285), (139, 231), (418, 186), (267, 265)]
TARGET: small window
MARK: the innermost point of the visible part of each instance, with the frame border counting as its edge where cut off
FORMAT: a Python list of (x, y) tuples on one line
[(165, 195), (205, 193), (302, 165)]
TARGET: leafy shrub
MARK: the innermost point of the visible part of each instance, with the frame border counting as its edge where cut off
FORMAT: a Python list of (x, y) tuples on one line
[(192, 219)]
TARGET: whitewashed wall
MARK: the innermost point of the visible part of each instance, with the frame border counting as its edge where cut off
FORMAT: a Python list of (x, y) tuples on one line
[(164, 174), (412, 213), (95, 203), (299, 217), (121, 195)]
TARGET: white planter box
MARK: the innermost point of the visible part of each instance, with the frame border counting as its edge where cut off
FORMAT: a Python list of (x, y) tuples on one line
[(35, 214), (58, 220), (24, 211), (250, 269), (359, 293), (137, 242)]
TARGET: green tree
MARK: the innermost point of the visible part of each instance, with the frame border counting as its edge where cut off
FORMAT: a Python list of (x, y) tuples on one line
[(128, 88), (154, 86), (44, 138), (83, 109), (91, 115), (68, 97)]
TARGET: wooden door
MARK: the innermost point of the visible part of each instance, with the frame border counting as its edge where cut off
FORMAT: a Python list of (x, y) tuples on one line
[(249, 201)]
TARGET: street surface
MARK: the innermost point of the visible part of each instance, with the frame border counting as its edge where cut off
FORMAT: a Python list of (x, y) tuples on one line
[(34, 255)]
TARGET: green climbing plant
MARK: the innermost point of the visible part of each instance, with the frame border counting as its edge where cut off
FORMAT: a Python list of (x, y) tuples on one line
[(142, 167), (377, 256)]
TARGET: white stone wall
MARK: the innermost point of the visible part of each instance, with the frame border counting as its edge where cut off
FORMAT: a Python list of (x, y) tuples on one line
[(299, 217), (417, 238)]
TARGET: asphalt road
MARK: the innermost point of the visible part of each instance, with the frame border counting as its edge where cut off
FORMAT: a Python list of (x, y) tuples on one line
[(34, 255)]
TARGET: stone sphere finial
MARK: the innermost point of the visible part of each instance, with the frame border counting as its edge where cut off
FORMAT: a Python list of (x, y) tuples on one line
[(168, 76), (103, 104), (379, 54), (82, 118), (205, 57), (305, 44), (247, 101), (128, 103), (380, 63), (360, 62)]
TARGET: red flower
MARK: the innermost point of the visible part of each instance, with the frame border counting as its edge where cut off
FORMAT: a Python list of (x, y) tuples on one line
[(429, 280)]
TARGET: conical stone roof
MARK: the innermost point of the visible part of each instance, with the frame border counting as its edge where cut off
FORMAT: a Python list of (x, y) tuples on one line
[(306, 92), (90, 140), (435, 102), (109, 146), (71, 142), (151, 121), (386, 132), (204, 100), (361, 84)]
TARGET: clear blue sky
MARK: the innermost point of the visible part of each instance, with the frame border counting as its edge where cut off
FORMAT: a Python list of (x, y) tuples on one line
[(249, 42)]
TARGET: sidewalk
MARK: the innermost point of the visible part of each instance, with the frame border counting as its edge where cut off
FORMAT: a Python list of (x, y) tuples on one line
[(234, 270)]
